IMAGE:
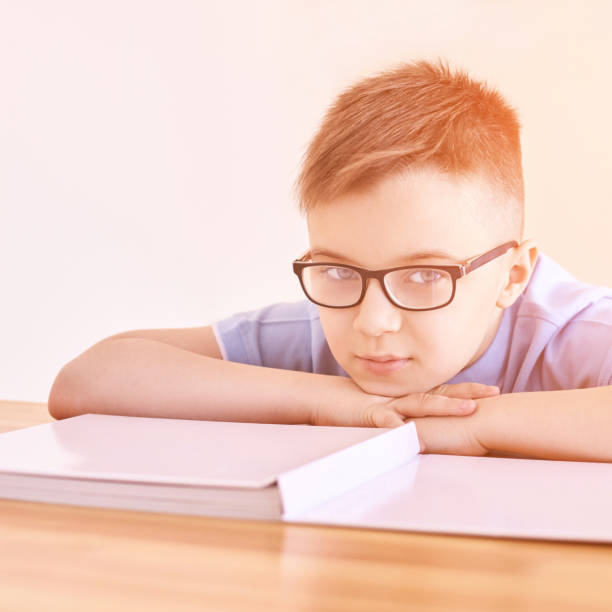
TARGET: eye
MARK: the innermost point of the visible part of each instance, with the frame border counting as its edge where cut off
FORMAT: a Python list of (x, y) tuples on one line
[(340, 273), (423, 276)]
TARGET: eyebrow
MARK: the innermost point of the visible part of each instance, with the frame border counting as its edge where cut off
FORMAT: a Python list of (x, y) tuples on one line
[(413, 256)]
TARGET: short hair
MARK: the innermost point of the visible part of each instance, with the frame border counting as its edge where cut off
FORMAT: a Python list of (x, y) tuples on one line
[(416, 114)]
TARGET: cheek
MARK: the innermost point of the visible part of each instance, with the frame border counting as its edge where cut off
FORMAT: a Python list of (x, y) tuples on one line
[(448, 335), (430, 336), (337, 327), (464, 322)]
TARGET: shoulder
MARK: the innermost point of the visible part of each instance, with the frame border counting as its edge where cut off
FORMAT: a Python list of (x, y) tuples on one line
[(279, 313), (563, 330), (286, 335), (242, 334), (555, 296)]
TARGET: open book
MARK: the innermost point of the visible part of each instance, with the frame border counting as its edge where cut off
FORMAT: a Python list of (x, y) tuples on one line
[(350, 476), (250, 470)]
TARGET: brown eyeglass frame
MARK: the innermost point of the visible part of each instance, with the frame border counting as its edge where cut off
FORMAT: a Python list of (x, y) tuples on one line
[(456, 271)]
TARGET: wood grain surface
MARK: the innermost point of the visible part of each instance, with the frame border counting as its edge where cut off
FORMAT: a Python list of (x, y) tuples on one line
[(56, 557)]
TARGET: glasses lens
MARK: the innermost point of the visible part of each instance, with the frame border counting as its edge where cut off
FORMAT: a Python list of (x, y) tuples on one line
[(417, 288), (332, 285), (420, 288)]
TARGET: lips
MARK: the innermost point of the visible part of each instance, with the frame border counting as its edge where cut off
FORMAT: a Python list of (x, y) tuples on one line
[(387, 357), (382, 365)]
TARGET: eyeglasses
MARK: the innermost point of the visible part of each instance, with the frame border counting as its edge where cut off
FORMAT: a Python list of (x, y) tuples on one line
[(408, 287)]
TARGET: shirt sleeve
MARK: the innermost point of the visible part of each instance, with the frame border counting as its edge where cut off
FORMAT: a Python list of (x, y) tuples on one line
[(275, 336), (580, 353)]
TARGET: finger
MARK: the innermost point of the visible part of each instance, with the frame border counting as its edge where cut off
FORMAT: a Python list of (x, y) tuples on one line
[(385, 418), (429, 404), (466, 390)]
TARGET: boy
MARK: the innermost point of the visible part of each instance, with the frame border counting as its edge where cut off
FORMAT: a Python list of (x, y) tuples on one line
[(421, 296)]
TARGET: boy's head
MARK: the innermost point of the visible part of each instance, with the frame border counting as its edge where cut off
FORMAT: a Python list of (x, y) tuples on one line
[(416, 159)]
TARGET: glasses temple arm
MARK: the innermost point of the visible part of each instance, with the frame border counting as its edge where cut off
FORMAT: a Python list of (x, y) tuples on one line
[(472, 264)]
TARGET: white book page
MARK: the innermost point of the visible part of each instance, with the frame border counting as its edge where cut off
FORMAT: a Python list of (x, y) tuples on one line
[(171, 451), (525, 498)]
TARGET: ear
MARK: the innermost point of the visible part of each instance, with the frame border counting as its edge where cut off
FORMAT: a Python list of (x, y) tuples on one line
[(518, 273)]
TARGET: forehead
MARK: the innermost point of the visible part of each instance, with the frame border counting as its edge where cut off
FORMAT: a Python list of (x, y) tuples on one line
[(422, 210)]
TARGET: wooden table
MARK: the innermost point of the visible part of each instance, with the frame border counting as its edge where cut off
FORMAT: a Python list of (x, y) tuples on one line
[(55, 557)]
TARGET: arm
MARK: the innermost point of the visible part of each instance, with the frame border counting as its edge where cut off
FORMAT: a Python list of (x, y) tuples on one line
[(143, 377), (572, 425), (175, 374)]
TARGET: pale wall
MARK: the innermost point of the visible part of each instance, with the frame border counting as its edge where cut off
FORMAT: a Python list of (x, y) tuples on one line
[(148, 149)]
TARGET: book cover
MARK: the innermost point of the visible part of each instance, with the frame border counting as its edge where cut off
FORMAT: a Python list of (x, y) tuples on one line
[(249, 470)]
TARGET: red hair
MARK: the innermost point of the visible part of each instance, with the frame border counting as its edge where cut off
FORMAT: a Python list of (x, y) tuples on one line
[(415, 114)]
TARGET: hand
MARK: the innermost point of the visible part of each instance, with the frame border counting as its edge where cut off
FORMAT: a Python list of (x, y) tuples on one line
[(355, 408), (451, 435)]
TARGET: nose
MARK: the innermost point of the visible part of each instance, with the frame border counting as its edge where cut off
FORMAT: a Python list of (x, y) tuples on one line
[(376, 315)]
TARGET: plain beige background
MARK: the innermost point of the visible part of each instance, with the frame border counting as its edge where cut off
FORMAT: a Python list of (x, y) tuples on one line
[(148, 149)]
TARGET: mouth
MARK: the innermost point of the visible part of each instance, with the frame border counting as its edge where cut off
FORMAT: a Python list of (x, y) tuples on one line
[(383, 364), (385, 357)]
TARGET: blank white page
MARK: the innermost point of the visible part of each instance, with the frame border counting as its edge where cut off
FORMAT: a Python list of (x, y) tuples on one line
[(526, 498), (174, 451)]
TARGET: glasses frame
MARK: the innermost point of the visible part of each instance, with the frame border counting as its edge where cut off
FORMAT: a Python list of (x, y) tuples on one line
[(456, 271)]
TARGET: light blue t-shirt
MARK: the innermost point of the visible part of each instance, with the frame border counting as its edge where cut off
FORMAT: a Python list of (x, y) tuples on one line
[(556, 335)]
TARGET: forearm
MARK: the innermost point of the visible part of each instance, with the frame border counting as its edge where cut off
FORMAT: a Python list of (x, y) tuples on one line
[(571, 424), (141, 377)]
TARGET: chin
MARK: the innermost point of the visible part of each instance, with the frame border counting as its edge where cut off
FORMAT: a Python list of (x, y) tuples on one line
[(381, 387)]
